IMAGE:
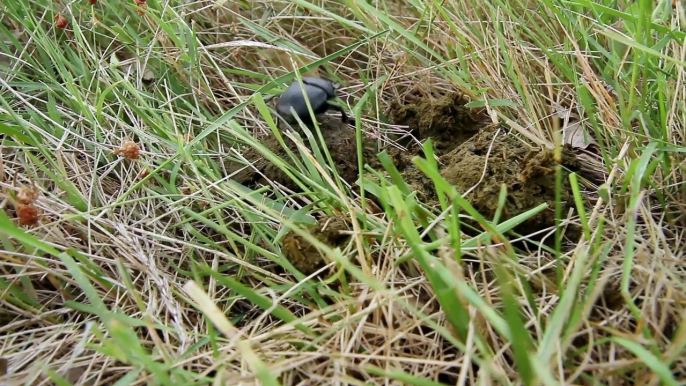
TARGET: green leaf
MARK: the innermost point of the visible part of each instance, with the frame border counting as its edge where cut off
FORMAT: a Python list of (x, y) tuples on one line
[(650, 360)]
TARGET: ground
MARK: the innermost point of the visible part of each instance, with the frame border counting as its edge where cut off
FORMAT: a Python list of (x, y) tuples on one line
[(468, 149), (160, 226)]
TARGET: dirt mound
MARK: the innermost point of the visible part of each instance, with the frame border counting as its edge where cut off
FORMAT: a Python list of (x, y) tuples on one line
[(528, 174), (462, 140), (447, 121), (306, 257), (340, 142), (465, 145)]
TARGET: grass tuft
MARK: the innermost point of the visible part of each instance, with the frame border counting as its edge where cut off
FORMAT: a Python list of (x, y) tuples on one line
[(134, 249)]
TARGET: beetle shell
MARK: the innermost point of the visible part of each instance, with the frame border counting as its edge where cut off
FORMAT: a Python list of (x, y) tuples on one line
[(323, 84), (293, 97)]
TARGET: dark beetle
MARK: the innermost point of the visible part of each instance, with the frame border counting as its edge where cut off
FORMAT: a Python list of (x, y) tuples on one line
[(319, 91)]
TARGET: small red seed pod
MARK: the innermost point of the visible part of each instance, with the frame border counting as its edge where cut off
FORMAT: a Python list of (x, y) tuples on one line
[(142, 5), (27, 214), (27, 195), (129, 150), (60, 21)]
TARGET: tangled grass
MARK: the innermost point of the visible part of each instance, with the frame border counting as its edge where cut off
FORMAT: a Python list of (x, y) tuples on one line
[(131, 255)]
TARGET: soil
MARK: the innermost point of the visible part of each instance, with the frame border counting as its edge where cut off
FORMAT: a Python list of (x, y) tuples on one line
[(306, 257), (340, 142)]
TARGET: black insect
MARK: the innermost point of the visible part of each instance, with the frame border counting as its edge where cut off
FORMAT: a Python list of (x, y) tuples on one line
[(319, 91)]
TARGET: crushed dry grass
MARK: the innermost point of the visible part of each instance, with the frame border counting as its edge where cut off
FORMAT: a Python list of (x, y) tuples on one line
[(151, 266)]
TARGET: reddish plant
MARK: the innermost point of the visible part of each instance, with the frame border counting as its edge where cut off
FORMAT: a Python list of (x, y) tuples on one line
[(60, 21), (27, 214), (27, 195), (141, 4), (129, 149)]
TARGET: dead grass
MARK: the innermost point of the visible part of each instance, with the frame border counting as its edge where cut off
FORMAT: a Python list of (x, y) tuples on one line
[(140, 243)]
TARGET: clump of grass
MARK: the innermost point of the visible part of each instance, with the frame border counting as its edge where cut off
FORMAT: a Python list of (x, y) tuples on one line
[(154, 267)]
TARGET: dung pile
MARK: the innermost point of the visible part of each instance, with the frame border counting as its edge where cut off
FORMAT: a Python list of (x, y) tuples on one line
[(446, 121), (467, 148), (462, 141), (528, 174), (305, 256)]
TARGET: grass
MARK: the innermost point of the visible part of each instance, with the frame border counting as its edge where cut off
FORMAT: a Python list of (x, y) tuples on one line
[(163, 269)]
